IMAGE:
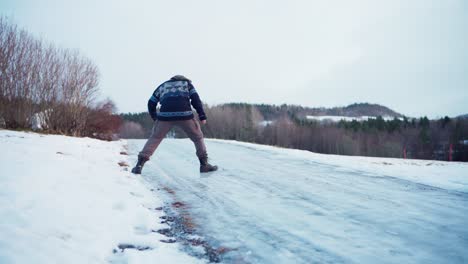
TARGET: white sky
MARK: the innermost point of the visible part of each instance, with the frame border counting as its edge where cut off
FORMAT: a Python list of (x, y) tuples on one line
[(410, 55)]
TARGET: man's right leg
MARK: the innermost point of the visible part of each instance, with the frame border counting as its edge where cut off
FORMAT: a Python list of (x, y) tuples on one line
[(193, 131), (160, 129)]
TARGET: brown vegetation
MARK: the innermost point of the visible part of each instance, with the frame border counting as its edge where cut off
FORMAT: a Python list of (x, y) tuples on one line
[(123, 164), (55, 88)]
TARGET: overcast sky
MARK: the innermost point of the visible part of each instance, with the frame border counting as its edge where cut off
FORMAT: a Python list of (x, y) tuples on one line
[(410, 55)]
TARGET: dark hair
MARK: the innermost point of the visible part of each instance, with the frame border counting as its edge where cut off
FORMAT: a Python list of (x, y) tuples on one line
[(180, 78)]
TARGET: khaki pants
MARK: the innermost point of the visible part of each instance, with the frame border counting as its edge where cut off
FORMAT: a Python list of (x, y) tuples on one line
[(160, 129)]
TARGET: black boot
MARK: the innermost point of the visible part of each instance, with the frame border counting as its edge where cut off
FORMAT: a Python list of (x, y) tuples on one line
[(205, 166), (139, 165)]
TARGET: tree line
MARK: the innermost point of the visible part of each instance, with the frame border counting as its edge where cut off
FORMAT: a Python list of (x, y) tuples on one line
[(286, 126), (55, 87)]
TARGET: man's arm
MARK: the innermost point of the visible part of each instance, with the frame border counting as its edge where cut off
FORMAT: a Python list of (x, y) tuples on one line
[(196, 102), (152, 103)]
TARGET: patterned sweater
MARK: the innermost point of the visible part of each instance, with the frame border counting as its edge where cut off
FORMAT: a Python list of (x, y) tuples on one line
[(175, 97)]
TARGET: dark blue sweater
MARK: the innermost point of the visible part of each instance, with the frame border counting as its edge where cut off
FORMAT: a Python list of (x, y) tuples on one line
[(175, 97)]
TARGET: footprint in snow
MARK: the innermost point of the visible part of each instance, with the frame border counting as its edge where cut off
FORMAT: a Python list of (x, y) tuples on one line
[(137, 195)]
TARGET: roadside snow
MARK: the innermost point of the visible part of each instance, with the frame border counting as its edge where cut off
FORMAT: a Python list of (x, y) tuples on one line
[(66, 200)]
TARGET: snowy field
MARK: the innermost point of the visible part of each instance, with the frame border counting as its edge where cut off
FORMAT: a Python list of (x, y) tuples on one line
[(335, 119), (66, 200), (273, 205)]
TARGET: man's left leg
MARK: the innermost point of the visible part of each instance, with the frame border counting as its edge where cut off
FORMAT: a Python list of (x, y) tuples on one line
[(160, 129)]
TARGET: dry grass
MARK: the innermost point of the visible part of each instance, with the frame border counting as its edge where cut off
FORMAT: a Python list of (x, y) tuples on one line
[(123, 164)]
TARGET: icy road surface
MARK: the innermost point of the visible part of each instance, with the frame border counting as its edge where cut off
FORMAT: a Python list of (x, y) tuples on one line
[(273, 205)]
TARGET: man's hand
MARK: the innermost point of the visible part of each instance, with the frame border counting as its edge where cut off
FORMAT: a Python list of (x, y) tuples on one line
[(203, 122)]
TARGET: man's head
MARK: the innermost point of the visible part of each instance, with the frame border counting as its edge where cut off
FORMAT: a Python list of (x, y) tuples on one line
[(180, 78)]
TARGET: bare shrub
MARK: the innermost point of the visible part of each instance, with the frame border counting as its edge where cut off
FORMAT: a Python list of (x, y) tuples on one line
[(37, 78), (102, 122)]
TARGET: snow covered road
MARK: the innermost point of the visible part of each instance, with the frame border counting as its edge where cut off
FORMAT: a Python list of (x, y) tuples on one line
[(272, 205)]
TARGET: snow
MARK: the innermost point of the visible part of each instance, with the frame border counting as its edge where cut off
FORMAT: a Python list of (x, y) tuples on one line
[(66, 200), (265, 123), (39, 120), (346, 118), (274, 205)]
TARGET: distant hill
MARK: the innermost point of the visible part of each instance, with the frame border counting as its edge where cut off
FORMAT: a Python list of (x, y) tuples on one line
[(354, 110), (465, 116), (362, 109)]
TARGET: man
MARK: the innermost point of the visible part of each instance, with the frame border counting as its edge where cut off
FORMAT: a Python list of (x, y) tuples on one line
[(175, 97)]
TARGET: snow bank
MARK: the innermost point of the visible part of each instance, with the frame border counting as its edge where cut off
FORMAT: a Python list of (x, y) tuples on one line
[(66, 200)]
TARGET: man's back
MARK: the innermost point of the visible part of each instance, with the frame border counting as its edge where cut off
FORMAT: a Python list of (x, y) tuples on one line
[(175, 97)]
